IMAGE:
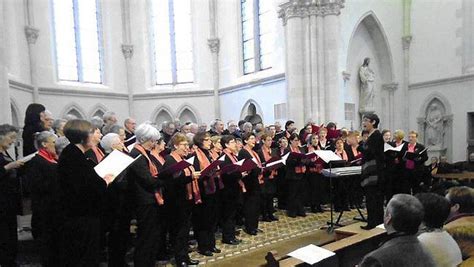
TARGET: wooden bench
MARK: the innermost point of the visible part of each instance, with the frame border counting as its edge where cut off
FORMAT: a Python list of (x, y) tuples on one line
[(462, 176), (351, 244)]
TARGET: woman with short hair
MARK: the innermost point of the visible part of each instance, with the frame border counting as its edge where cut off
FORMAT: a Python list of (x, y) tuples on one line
[(9, 197), (81, 192), (146, 189), (42, 170)]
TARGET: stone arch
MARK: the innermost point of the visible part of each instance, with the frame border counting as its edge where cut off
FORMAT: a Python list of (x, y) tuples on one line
[(444, 132), (187, 113), (98, 110), (252, 112), (75, 110), (369, 40), (16, 114), (161, 114)]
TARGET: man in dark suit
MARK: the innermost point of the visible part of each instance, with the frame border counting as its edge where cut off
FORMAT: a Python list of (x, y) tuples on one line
[(402, 218), (372, 169)]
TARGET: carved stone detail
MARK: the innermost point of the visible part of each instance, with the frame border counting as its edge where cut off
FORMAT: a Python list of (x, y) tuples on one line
[(304, 8), (390, 86), (406, 41), (214, 44), (32, 34), (127, 50)]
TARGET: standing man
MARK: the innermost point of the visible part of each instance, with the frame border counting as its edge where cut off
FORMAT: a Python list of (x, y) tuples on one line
[(372, 167), (130, 124)]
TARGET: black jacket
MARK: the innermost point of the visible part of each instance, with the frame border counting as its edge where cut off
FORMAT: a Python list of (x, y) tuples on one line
[(372, 152), (175, 184), (44, 186), (419, 159), (291, 164), (81, 189), (251, 180), (9, 188), (230, 180), (142, 184)]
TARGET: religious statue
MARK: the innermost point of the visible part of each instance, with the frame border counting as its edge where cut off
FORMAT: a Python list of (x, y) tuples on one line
[(367, 92), (434, 125)]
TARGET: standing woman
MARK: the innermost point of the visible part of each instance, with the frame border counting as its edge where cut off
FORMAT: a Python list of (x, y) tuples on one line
[(147, 194), (340, 185), (414, 167), (9, 197), (179, 195), (355, 156), (35, 114), (294, 174), (205, 214), (372, 170), (95, 153), (282, 182), (81, 194), (315, 178), (253, 182), (42, 170), (269, 184)]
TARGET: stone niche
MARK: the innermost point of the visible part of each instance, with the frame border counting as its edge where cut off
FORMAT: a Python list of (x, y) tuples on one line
[(435, 126)]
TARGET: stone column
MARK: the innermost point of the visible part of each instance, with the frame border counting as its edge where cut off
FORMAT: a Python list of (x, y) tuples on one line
[(31, 37), (468, 36), (390, 88), (5, 105), (214, 45), (312, 42), (406, 81), (127, 50)]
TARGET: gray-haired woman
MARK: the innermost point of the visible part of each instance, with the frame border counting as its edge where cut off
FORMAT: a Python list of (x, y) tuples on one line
[(42, 171), (9, 197)]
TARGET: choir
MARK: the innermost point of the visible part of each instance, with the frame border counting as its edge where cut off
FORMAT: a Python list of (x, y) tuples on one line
[(187, 178)]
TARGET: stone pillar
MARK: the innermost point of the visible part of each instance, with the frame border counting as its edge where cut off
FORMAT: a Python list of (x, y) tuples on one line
[(390, 88), (406, 81), (312, 41), (5, 105), (468, 36), (127, 50), (214, 45), (32, 34)]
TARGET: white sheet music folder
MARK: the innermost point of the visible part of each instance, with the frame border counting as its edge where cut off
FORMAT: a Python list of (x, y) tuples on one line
[(311, 254), (327, 155), (114, 164)]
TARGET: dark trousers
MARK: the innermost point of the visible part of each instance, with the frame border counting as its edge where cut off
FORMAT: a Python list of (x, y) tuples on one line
[(44, 227), (150, 232), (295, 197), (79, 242), (229, 205), (119, 239), (180, 212), (8, 240), (205, 222), (251, 210), (340, 193), (266, 204), (282, 189), (413, 179), (374, 203), (314, 189)]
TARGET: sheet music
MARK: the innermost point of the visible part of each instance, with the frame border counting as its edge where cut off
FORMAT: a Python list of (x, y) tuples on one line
[(190, 160), (130, 147), (327, 155), (380, 226), (28, 158), (387, 147), (311, 254), (114, 164)]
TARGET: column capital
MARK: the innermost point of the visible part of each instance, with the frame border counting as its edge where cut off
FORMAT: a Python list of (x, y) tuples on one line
[(303, 8), (391, 87), (406, 41), (31, 34), (127, 50), (214, 44)]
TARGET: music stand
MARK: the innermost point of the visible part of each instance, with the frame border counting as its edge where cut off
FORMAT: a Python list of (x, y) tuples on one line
[(332, 159)]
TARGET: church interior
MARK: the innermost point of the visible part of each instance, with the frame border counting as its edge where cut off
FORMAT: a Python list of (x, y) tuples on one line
[(265, 64)]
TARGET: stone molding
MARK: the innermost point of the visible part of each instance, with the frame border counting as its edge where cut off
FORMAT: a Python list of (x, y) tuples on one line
[(214, 44), (127, 50), (32, 34), (304, 8), (391, 87)]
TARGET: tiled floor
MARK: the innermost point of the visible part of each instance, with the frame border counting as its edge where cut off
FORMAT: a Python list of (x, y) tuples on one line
[(273, 232)]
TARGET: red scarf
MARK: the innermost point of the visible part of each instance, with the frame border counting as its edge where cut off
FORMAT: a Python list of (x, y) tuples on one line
[(153, 171), (45, 154), (98, 154), (267, 155), (193, 187), (233, 158), (259, 163), (209, 184), (301, 168)]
